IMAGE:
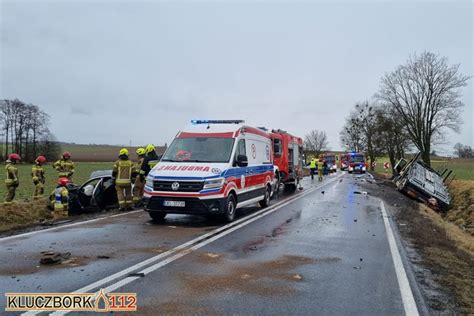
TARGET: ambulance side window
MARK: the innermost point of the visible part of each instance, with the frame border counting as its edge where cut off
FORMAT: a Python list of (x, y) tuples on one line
[(240, 148)]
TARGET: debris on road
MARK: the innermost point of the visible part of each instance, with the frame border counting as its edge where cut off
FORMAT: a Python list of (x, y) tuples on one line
[(53, 258), (357, 268), (140, 275), (363, 192), (103, 257), (298, 277)]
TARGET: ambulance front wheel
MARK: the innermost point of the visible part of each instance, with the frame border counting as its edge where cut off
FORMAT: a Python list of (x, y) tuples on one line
[(229, 210), (266, 200)]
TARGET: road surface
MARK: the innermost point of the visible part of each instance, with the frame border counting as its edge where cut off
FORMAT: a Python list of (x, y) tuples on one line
[(325, 250)]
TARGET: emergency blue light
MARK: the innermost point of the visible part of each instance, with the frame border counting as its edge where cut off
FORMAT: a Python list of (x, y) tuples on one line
[(195, 122)]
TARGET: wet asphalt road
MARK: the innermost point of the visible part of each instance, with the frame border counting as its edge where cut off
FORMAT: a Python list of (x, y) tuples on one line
[(322, 253)]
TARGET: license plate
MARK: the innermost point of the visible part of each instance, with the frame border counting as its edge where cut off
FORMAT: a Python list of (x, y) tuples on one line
[(174, 203)]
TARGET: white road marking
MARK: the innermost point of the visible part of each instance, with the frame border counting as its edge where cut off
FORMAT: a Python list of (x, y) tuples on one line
[(182, 250), (67, 225), (405, 290)]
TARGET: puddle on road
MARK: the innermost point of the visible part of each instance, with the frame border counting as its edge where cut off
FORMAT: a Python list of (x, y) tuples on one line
[(256, 279)]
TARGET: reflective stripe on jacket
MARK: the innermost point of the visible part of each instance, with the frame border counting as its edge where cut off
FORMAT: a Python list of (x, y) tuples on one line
[(12, 174), (61, 196), (123, 170), (65, 167), (37, 173)]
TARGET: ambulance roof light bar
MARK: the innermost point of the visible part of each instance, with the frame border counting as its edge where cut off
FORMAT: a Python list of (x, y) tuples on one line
[(196, 122)]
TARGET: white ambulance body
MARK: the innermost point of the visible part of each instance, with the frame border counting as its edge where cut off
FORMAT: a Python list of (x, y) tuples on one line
[(211, 167)]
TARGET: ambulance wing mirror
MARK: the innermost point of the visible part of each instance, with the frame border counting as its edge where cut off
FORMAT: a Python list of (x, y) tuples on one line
[(242, 161)]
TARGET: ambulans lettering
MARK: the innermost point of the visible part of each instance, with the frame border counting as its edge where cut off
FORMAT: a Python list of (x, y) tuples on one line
[(184, 168)]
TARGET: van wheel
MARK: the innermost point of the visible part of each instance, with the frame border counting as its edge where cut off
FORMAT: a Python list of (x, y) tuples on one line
[(276, 190), (230, 205), (266, 200), (290, 187), (157, 216)]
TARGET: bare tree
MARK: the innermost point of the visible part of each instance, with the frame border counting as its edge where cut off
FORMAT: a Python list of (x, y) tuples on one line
[(360, 132), (351, 135), (424, 93), (24, 126), (463, 151), (316, 142), (391, 137)]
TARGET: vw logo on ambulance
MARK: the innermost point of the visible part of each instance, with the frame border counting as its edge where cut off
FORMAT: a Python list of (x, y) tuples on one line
[(175, 186)]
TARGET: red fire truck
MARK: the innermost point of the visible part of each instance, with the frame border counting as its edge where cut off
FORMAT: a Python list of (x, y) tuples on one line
[(344, 161), (287, 158)]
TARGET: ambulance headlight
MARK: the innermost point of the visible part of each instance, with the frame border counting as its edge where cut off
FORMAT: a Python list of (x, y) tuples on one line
[(350, 168), (363, 168), (149, 182), (213, 183)]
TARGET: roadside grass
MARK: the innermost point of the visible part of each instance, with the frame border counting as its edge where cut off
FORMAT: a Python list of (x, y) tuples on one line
[(26, 188), (462, 210), (463, 169), (23, 214)]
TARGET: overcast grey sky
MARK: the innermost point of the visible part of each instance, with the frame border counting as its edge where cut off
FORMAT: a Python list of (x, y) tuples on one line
[(120, 71)]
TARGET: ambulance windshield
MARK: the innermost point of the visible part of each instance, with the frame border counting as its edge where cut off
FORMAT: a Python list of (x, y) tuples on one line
[(199, 149)]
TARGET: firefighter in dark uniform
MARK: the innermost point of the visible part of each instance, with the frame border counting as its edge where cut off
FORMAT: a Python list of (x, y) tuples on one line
[(150, 160), (139, 184)]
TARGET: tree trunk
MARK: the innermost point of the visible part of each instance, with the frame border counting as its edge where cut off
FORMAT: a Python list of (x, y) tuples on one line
[(425, 155)]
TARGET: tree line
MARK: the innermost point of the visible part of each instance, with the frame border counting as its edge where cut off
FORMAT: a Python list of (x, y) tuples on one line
[(25, 131), (415, 106)]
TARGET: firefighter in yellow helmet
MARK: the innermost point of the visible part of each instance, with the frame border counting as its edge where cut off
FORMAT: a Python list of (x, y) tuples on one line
[(11, 180), (151, 159), (65, 166), (122, 173), (37, 173), (61, 199), (139, 182), (320, 169)]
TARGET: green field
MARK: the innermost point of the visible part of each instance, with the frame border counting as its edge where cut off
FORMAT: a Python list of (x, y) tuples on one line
[(463, 169), (26, 188)]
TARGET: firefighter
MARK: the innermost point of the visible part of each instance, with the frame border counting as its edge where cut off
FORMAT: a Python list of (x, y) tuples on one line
[(320, 169), (139, 182), (11, 180), (312, 167), (122, 174), (151, 159), (65, 166), (61, 199), (37, 173)]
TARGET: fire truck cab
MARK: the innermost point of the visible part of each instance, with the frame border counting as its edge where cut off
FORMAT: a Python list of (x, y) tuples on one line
[(356, 163), (288, 159), (330, 160), (211, 167)]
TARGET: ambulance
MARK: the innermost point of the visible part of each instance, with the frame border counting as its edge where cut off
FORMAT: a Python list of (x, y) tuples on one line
[(212, 167)]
